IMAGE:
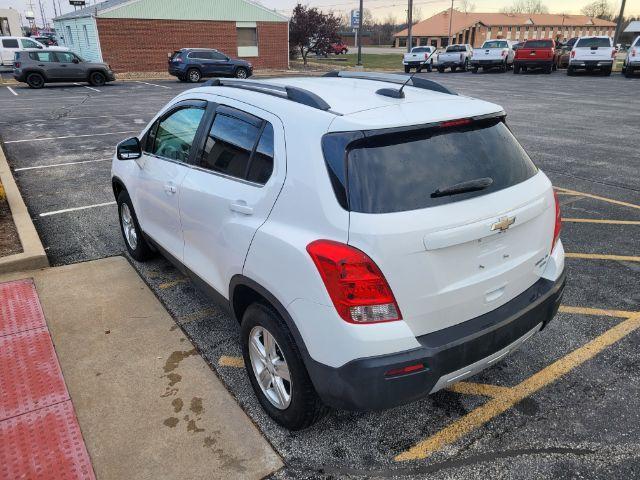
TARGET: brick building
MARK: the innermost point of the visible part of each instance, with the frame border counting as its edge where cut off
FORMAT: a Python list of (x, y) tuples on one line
[(138, 35), (476, 28)]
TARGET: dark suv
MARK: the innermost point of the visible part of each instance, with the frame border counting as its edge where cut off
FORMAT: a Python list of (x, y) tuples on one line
[(37, 67), (192, 64)]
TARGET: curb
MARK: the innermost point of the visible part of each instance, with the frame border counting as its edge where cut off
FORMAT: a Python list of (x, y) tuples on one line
[(33, 255)]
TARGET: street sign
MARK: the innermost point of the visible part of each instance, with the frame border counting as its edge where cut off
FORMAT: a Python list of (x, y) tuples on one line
[(29, 15), (77, 3), (355, 18)]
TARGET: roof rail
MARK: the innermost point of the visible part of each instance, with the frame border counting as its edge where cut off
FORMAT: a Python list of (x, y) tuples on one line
[(295, 94), (393, 78)]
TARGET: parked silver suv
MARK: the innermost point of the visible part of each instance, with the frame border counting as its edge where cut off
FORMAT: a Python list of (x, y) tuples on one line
[(37, 67)]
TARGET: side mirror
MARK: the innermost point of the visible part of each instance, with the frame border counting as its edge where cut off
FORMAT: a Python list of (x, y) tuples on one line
[(129, 149), (75, 60)]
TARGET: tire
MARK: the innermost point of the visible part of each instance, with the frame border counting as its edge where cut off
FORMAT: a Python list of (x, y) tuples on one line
[(465, 67), (548, 69), (440, 69), (304, 407), (453, 69), (343, 51), (516, 69), (474, 69), (130, 228), (193, 75), (97, 79), (503, 67), (607, 71), (35, 80), (241, 72), (570, 71), (407, 69), (182, 79), (628, 72)]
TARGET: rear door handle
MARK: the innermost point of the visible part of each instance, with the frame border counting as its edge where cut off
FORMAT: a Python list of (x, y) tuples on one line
[(240, 206), (170, 188)]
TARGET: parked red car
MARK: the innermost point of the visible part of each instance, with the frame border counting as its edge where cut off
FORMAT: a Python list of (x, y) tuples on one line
[(339, 48), (536, 54)]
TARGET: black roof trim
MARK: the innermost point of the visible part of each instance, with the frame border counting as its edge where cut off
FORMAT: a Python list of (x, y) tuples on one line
[(295, 94), (398, 79)]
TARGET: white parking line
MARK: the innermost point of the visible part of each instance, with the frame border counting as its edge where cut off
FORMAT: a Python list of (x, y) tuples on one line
[(12, 91), (61, 164), (56, 212), (152, 84), (69, 136), (90, 88)]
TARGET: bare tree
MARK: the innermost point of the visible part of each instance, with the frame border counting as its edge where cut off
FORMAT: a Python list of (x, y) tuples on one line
[(526, 6), (466, 6), (599, 9)]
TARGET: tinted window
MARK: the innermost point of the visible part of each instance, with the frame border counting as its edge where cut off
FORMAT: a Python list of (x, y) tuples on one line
[(173, 136), (218, 56), (65, 57), (200, 55), (420, 50), (399, 171), (262, 161), (456, 48), (231, 146), (42, 56), (593, 42), (495, 44), (10, 43), (538, 44)]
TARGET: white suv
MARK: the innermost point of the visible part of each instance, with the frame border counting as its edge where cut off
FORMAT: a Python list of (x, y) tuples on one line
[(376, 244), (10, 45)]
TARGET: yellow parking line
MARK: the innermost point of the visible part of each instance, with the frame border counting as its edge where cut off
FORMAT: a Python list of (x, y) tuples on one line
[(483, 389), (566, 191), (226, 361), (512, 396), (600, 312), (597, 256), (173, 283), (199, 315), (608, 222)]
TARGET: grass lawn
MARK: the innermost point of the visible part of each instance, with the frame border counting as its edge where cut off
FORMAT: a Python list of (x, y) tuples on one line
[(390, 61)]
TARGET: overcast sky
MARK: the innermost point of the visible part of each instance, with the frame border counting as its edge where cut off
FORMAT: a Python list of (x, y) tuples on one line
[(379, 8)]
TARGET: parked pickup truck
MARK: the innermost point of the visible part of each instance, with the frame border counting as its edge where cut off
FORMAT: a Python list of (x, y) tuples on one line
[(592, 53), (454, 57), (632, 61), (536, 54), (418, 56), (493, 54)]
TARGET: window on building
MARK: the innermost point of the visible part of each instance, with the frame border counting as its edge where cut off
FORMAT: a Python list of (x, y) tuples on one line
[(247, 36), (444, 41), (69, 36), (86, 34)]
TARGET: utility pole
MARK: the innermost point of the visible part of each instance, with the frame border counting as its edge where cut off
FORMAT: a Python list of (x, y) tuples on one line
[(450, 20), (409, 26), (619, 25), (360, 36), (44, 18), (55, 9)]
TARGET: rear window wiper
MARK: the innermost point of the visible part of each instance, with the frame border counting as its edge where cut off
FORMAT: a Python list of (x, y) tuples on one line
[(463, 187)]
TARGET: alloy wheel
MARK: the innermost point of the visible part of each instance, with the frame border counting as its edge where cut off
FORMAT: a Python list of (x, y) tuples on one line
[(270, 367), (128, 226)]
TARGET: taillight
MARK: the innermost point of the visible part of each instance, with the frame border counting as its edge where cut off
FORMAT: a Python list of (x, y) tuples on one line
[(504, 53), (456, 123), (558, 224), (573, 54), (354, 282), (461, 57), (613, 53), (634, 52), (16, 64)]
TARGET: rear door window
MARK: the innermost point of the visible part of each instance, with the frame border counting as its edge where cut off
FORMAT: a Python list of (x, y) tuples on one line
[(593, 42), (10, 43), (400, 170)]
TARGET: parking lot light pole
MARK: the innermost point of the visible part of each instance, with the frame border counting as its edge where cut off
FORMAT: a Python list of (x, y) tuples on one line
[(619, 23), (360, 37), (409, 26)]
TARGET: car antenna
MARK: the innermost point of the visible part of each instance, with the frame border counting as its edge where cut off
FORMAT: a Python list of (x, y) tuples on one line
[(392, 92)]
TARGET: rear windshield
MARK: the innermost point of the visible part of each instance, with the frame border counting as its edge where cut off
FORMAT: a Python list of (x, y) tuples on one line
[(638, 42), (176, 54), (593, 42), (456, 48), (420, 50), (538, 44), (495, 44), (398, 171)]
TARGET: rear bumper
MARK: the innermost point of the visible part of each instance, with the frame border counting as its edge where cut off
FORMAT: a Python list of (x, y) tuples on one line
[(449, 355), (451, 64), (176, 72), (534, 63), (591, 63), (488, 63)]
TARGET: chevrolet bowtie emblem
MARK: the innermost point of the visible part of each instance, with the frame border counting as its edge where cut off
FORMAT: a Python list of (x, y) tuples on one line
[(503, 224)]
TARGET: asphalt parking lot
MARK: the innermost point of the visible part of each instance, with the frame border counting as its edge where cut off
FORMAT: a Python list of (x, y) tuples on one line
[(564, 405)]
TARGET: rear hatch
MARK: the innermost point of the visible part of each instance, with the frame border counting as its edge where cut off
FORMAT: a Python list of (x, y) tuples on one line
[(494, 50), (536, 50), (449, 257), (593, 49), (175, 60)]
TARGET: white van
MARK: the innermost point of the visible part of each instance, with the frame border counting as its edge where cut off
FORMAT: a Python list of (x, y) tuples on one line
[(10, 45)]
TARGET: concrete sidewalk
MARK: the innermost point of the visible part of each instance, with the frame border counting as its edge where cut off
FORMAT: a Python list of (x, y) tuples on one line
[(147, 403)]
